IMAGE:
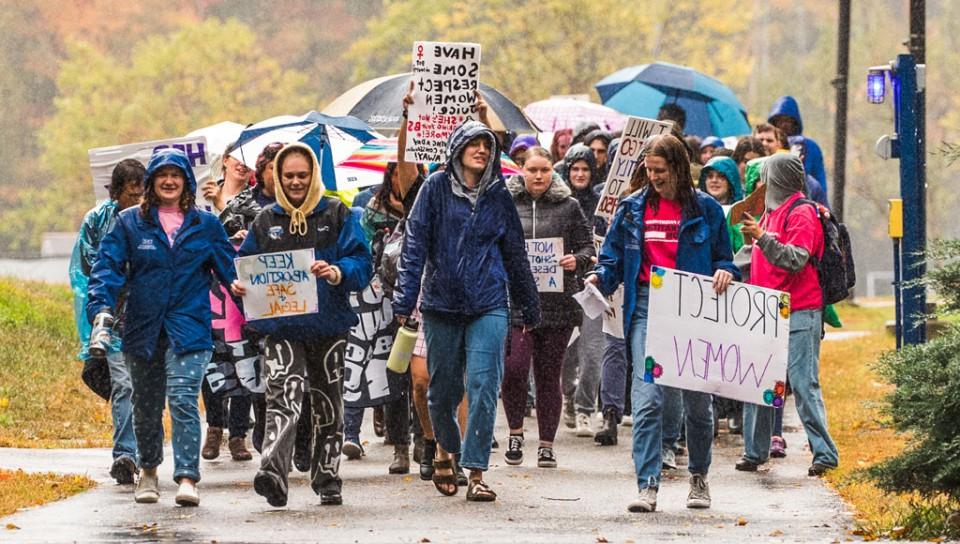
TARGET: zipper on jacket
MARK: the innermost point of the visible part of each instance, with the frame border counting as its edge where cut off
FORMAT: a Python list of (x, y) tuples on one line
[(534, 218)]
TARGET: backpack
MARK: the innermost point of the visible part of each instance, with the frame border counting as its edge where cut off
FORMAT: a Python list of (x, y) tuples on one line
[(387, 256), (835, 269)]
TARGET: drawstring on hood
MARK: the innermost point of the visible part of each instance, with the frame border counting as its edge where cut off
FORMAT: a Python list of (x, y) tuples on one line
[(298, 214), (783, 174), (455, 147)]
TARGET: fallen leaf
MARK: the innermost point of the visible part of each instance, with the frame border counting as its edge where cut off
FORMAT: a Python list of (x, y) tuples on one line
[(12, 527), (776, 532), (601, 539), (408, 478), (741, 521), (898, 532), (424, 539)]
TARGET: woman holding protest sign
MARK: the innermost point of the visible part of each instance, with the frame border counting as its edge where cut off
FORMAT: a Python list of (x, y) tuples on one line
[(163, 252), (789, 242), (667, 224), (550, 217), (464, 240), (303, 219)]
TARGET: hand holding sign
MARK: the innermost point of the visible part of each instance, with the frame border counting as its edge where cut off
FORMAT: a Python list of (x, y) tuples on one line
[(750, 227), (278, 284)]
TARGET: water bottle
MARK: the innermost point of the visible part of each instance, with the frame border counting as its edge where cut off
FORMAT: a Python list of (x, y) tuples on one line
[(403, 346), (100, 336)]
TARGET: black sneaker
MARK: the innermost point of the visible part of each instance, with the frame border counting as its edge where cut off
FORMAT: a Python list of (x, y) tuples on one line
[(819, 469), (269, 488), (746, 465), (123, 470), (514, 453), (331, 498), (546, 458)]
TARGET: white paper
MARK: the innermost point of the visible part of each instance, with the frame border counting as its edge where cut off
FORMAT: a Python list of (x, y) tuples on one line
[(278, 284), (592, 301), (544, 255)]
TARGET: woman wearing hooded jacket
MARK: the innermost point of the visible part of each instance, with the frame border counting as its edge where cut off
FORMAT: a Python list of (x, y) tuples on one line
[(465, 240), (691, 235), (163, 251), (546, 211), (307, 347)]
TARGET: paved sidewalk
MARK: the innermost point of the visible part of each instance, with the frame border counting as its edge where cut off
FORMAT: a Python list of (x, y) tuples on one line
[(584, 500)]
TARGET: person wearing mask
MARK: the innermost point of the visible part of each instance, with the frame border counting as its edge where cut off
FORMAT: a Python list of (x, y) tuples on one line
[(546, 211), (789, 241), (306, 352), (126, 190), (785, 115), (464, 240), (163, 252), (691, 236)]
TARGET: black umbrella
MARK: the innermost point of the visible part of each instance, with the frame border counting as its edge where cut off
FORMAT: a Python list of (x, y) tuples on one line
[(377, 102)]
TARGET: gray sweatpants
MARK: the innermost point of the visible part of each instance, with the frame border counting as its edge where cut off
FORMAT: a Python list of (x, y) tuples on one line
[(582, 366)]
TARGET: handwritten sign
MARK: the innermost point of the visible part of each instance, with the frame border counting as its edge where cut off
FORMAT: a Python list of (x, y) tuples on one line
[(445, 76), (278, 284), (625, 162), (733, 345), (104, 159), (544, 255)]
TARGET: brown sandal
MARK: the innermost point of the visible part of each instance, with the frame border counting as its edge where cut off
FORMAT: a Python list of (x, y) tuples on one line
[(479, 491), (443, 482)]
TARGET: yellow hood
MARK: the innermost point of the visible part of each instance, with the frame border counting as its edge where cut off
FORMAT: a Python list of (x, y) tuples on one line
[(298, 214)]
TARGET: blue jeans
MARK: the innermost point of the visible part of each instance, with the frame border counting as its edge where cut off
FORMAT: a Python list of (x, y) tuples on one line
[(648, 401), (176, 379), (121, 408), (613, 382), (803, 373), (471, 350)]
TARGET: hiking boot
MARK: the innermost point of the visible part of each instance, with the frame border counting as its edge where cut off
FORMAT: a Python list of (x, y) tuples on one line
[(148, 488), (778, 447), (211, 445), (569, 413), (746, 465), (514, 453), (546, 458), (401, 460), (352, 449), (417, 448), (187, 494), (819, 469), (238, 449), (669, 459), (699, 495), (645, 502), (426, 459), (583, 425), (123, 470), (607, 436), (269, 488)]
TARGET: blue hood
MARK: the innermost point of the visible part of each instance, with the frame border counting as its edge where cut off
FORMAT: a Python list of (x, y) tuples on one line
[(787, 105), (171, 157), (727, 167)]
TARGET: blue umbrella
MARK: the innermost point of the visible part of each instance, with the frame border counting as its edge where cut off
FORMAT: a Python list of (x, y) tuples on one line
[(712, 108), (331, 138)]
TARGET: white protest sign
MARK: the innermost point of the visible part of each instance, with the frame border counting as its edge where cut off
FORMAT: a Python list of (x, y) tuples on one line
[(613, 316), (104, 159), (544, 256), (445, 78), (733, 345), (278, 284), (637, 130)]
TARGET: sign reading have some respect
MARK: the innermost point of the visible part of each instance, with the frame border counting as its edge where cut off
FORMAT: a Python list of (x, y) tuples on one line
[(445, 78), (733, 345), (278, 284)]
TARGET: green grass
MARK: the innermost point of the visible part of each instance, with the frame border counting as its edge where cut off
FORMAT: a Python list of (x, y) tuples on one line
[(43, 402)]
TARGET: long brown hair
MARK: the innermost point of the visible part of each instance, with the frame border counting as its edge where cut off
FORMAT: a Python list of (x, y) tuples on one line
[(674, 151), (151, 200)]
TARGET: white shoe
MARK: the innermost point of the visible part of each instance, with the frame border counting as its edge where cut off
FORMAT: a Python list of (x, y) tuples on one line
[(583, 425), (626, 421), (646, 502), (699, 495), (148, 487), (187, 493), (669, 458)]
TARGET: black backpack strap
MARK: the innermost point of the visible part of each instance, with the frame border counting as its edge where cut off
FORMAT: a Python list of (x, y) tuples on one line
[(783, 228)]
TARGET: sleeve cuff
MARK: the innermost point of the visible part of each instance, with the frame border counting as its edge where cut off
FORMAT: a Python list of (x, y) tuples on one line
[(338, 277)]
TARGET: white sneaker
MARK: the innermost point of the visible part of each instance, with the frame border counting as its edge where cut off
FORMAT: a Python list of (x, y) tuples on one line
[(669, 458), (148, 487), (626, 421), (645, 502), (699, 495), (187, 493), (583, 425)]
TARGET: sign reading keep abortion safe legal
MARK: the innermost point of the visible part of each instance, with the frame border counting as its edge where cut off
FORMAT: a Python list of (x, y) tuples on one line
[(445, 79), (733, 345), (627, 160), (544, 255), (278, 284)]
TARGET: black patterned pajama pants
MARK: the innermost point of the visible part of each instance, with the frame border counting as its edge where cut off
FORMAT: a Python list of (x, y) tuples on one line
[(293, 367)]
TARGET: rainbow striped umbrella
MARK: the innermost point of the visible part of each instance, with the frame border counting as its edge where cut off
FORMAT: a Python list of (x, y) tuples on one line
[(365, 166)]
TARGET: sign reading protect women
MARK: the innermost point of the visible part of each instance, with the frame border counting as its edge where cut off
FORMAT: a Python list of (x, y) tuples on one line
[(278, 284), (445, 79), (733, 345)]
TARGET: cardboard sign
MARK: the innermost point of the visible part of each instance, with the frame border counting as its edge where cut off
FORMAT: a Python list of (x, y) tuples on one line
[(278, 284), (622, 166), (753, 204), (733, 345), (445, 76), (104, 159), (544, 256)]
